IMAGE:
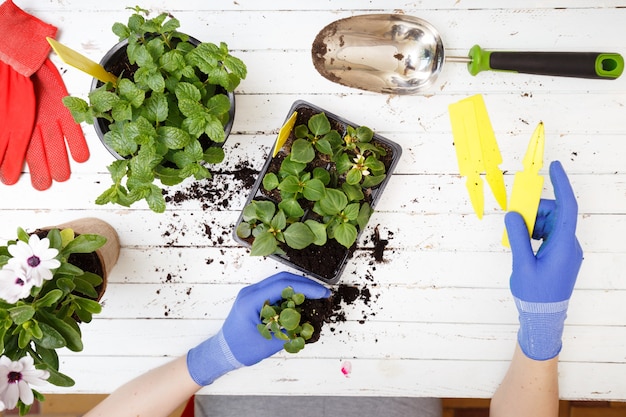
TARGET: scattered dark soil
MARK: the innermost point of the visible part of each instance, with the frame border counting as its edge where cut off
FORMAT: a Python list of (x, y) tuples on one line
[(219, 192), (330, 310)]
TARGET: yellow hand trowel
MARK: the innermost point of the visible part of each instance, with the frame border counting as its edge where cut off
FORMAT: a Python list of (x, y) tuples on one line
[(81, 62), (477, 151), (528, 184), (284, 132)]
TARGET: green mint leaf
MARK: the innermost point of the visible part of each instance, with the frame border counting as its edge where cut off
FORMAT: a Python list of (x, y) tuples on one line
[(155, 200), (156, 108), (129, 91), (214, 155), (102, 100), (121, 30), (187, 91), (173, 137), (78, 107), (214, 129)]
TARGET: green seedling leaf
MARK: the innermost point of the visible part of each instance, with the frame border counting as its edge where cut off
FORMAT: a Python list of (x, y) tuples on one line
[(302, 151), (289, 319), (333, 202), (319, 124), (321, 174), (345, 234), (299, 236), (354, 176), (264, 210), (291, 207), (319, 230), (244, 230), (264, 244), (287, 293), (294, 345), (307, 331), (351, 212), (291, 167), (279, 221), (270, 181), (313, 190), (372, 180), (265, 332)]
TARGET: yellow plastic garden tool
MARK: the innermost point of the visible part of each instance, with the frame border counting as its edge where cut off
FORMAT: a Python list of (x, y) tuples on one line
[(284, 132), (477, 151), (528, 184), (81, 62)]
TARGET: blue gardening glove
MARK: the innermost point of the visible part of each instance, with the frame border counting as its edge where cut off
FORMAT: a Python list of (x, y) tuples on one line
[(239, 343), (542, 284)]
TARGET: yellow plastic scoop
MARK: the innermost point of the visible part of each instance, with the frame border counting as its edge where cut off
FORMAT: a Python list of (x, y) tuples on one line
[(477, 150), (284, 132), (81, 62), (528, 184)]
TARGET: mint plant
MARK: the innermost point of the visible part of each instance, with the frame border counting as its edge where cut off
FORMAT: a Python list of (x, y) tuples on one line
[(323, 183), (166, 116), (282, 321)]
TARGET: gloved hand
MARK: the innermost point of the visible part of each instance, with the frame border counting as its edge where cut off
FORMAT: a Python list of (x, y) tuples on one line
[(239, 343), (47, 155), (23, 49), (542, 284)]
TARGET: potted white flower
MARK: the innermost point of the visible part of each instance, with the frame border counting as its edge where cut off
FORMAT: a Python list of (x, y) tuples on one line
[(50, 281)]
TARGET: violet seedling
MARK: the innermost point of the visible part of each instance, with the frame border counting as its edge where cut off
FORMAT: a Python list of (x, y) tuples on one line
[(282, 321)]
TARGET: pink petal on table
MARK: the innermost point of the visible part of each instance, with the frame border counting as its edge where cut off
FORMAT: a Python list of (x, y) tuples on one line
[(346, 368)]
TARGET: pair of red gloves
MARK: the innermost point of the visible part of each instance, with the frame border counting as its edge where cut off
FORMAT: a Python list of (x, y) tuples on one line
[(34, 123)]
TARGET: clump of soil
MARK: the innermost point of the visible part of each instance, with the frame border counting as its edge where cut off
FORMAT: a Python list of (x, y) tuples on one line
[(320, 312), (219, 192)]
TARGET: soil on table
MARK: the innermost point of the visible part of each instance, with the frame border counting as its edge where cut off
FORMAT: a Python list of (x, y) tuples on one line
[(323, 311)]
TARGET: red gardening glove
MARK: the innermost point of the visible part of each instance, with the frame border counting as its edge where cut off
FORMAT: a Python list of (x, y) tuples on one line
[(23, 49), (47, 155), (17, 114)]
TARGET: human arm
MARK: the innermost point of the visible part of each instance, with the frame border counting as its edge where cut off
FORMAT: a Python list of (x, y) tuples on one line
[(238, 343), (542, 285), (156, 393)]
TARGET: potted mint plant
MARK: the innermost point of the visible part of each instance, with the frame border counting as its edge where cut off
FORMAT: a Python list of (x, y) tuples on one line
[(313, 199), (169, 112), (51, 281)]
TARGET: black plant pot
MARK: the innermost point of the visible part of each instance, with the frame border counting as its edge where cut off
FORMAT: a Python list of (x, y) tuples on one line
[(324, 263), (116, 59)]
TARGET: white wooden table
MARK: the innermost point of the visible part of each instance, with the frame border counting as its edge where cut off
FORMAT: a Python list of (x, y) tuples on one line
[(441, 321)]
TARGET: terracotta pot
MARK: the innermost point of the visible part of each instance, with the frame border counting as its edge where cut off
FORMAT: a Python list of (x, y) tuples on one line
[(107, 255)]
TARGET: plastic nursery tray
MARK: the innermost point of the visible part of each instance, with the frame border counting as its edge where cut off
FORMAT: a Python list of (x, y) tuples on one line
[(339, 254)]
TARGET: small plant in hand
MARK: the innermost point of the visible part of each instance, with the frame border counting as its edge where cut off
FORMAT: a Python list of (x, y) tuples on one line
[(43, 297), (324, 173), (282, 321), (166, 114)]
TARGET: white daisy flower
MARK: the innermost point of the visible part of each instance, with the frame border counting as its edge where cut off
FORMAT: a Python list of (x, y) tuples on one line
[(16, 377), (14, 284), (36, 257)]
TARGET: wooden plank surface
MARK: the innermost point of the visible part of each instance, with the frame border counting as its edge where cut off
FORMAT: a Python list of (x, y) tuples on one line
[(440, 321)]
